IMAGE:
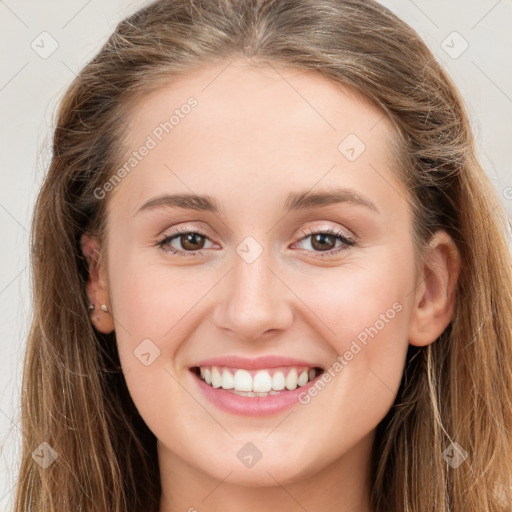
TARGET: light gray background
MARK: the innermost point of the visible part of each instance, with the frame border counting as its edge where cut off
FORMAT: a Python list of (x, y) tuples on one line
[(31, 86)]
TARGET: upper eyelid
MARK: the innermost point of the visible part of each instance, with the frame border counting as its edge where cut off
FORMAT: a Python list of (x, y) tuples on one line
[(303, 233), (309, 230)]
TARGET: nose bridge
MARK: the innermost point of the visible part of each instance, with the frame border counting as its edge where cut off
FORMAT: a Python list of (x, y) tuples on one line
[(254, 300)]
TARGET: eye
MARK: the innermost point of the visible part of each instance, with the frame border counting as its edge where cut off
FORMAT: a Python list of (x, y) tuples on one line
[(191, 242), (324, 241)]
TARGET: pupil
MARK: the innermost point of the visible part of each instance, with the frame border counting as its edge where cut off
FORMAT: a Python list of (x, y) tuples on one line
[(321, 237), (190, 240)]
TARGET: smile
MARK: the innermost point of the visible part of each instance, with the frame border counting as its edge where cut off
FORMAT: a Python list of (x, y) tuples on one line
[(255, 403), (254, 383)]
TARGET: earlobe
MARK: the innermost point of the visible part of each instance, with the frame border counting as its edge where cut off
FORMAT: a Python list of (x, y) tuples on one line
[(434, 302), (97, 289)]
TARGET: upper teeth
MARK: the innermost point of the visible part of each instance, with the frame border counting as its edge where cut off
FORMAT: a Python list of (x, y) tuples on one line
[(259, 381)]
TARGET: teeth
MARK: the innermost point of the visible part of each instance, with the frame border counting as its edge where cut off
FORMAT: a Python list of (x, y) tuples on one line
[(216, 377), (259, 383), (252, 393), (262, 382), (243, 380), (278, 381), (228, 382), (291, 379), (303, 378)]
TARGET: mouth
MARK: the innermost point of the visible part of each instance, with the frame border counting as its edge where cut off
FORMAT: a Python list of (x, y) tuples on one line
[(256, 382)]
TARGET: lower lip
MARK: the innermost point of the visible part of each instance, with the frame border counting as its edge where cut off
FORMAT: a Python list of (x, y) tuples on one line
[(252, 406)]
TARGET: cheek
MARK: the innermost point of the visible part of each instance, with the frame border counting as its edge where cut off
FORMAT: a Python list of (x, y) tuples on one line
[(361, 302), (150, 298), (152, 304), (157, 308), (364, 317), (363, 312)]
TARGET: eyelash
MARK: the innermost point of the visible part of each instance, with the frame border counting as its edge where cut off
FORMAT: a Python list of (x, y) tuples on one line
[(347, 240)]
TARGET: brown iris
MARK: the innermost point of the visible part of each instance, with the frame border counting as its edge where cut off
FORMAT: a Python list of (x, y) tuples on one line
[(189, 239), (320, 238)]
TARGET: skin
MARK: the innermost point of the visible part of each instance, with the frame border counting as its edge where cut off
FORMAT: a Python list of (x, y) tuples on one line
[(257, 134)]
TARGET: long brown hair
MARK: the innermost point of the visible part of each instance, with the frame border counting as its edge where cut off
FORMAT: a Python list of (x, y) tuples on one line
[(459, 389)]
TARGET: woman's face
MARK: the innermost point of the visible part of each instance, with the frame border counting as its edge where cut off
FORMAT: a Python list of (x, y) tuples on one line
[(260, 280)]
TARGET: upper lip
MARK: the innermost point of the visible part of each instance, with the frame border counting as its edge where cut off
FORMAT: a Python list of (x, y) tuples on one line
[(257, 363)]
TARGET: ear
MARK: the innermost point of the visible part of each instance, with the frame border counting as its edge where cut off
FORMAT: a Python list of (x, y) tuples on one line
[(434, 300), (97, 288)]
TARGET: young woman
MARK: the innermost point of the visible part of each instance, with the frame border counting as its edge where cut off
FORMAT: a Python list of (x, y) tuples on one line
[(269, 271)]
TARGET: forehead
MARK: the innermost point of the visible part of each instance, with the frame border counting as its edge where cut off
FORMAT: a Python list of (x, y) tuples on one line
[(235, 126), (258, 95)]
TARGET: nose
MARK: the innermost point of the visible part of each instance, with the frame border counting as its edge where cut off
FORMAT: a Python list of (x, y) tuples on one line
[(254, 301)]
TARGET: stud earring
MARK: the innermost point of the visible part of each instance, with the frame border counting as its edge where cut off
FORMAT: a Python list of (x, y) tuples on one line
[(103, 307)]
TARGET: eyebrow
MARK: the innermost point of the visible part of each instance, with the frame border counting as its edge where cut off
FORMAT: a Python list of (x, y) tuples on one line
[(295, 201)]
